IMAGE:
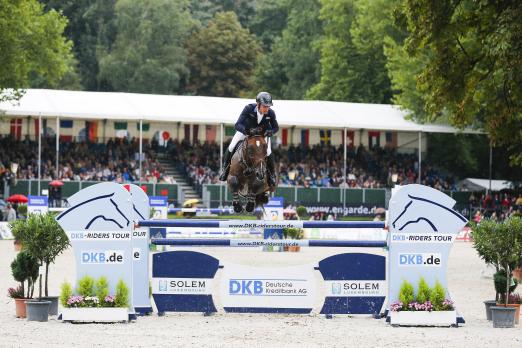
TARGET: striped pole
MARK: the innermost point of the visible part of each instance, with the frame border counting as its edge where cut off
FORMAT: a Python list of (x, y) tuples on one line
[(270, 242), (260, 223)]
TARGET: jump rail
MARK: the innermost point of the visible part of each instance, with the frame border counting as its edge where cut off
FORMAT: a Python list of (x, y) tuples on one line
[(270, 242), (260, 223)]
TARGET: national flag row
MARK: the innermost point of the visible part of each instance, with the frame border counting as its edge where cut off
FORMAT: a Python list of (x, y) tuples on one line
[(192, 133)]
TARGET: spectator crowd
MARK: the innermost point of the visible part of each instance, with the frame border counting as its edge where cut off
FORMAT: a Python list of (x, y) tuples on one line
[(116, 160)]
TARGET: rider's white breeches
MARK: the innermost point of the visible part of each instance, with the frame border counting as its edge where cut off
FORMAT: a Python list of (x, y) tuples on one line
[(240, 136)]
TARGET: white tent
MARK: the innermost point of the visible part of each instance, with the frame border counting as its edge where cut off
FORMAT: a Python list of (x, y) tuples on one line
[(211, 110), (474, 184), (46, 103)]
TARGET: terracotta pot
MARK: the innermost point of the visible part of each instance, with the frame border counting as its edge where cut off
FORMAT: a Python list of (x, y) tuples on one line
[(21, 311), (517, 310)]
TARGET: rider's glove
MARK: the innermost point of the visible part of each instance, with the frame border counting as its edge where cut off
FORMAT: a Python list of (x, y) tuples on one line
[(269, 133), (252, 131)]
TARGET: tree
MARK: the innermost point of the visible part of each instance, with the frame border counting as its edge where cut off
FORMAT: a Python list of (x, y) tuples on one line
[(92, 29), (270, 20), (473, 73), (32, 42), (352, 69), (293, 65), (148, 55), (222, 57)]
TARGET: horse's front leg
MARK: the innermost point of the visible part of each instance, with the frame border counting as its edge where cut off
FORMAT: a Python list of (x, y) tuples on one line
[(233, 183), (251, 204)]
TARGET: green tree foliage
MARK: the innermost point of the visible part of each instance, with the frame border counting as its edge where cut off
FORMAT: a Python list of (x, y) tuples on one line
[(25, 268), (352, 64), (473, 72), (92, 29), (270, 20), (292, 67), (31, 42), (222, 57), (148, 54)]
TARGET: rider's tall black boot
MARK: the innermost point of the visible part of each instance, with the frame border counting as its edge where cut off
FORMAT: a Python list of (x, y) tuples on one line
[(270, 166), (226, 165)]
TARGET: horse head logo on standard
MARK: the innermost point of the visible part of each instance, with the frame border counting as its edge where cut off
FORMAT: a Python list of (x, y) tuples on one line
[(422, 228)]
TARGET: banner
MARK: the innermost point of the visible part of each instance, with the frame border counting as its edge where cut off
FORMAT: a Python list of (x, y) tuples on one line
[(247, 289), (37, 205)]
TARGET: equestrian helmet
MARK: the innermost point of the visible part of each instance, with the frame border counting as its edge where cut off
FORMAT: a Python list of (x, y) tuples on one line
[(264, 98)]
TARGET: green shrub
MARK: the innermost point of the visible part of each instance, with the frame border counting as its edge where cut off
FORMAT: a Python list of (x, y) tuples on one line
[(423, 292), (437, 296), (301, 212), (122, 294), (65, 293), (25, 268), (406, 295), (86, 286), (500, 279), (102, 288)]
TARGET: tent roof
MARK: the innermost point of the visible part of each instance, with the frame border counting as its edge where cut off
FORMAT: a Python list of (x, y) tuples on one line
[(211, 110), (474, 184)]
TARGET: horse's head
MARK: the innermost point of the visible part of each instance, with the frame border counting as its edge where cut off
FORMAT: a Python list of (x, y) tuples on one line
[(255, 153)]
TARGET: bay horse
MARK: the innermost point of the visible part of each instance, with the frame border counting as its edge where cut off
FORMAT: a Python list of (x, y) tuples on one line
[(247, 177)]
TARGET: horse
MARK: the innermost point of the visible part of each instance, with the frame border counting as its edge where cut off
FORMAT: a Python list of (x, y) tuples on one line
[(99, 212), (247, 177), (438, 217)]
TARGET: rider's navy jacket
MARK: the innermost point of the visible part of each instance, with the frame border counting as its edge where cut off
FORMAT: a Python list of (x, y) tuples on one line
[(248, 120)]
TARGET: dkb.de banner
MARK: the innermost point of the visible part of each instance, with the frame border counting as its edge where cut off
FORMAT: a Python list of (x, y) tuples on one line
[(99, 225), (423, 226)]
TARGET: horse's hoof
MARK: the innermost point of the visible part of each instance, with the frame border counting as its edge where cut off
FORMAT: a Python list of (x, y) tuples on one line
[(237, 207), (250, 207)]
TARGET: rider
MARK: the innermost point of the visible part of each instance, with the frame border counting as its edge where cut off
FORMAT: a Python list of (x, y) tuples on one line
[(255, 119)]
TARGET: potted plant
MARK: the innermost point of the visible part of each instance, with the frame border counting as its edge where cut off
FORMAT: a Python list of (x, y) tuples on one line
[(93, 303), (44, 239), (483, 236), (429, 307), (507, 245), (24, 269), (293, 233)]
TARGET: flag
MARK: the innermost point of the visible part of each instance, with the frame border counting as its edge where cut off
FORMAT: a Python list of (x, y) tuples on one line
[(230, 131), (374, 139), (350, 137), (145, 127), (391, 139), (66, 123), (284, 136), (122, 126), (66, 128), (16, 128), (210, 133), (325, 136), (187, 132), (36, 127), (91, 130), (305, 137), (195, 131)]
